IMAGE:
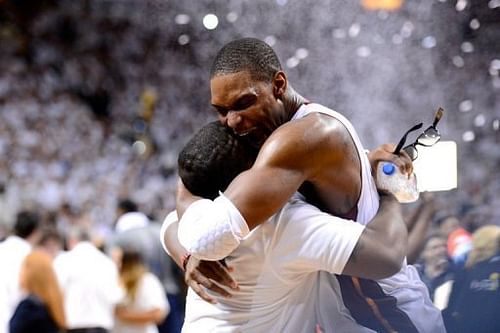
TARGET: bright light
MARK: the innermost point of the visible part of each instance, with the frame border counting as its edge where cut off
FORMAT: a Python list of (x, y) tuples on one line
[(480, 120), (232, 17), (468, 136), (210, 21), (429, 42), (474, 24), (496, 124), (382, 4), (270, 40), (407, 29), (354, 30), (139, 147), (465, 105), (494, 4), (461, 4), (182, 19), (183, 39), (467, 47), (292, 62), (458, 61), (301, 53), (363, 51)]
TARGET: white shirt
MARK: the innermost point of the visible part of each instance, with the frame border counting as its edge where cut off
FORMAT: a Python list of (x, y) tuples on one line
[(90, 285), (150, 295), (277, 267), (12, 253)]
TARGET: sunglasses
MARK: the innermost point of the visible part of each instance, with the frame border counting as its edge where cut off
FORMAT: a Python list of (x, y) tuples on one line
[(428, 138)]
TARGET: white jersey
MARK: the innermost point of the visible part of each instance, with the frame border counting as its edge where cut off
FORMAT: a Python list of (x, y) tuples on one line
[(402, 301), (277, 267), (13, 250), (90, 286)]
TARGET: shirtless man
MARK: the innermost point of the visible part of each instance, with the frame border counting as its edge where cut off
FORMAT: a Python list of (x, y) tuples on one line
[(302, 146)]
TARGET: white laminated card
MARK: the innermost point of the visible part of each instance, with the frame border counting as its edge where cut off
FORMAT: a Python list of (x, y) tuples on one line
[(436, 167)]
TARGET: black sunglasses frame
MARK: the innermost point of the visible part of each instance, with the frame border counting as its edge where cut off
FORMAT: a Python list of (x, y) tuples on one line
[(411, 149)]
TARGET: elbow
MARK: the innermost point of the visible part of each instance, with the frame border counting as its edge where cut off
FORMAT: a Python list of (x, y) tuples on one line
[(205, 232), (391, 268), (392, 263)]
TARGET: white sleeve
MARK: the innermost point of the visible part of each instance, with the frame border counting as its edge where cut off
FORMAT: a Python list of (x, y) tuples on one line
[(169, 220), (320, 241), (211, 230)]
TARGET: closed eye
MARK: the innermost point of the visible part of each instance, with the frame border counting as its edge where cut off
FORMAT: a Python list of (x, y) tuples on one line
[(244, 102), (220, 110)]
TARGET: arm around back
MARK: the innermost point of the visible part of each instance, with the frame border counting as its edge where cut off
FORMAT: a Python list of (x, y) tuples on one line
[(381, 249)]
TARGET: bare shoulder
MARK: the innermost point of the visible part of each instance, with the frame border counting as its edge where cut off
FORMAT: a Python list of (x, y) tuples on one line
[(309, 140)]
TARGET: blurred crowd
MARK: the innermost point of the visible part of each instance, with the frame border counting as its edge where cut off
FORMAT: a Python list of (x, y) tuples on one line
[(96, 111), (74, 281), (94, 108)]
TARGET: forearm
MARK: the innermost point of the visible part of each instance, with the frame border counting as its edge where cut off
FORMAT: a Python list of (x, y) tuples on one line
[(140, 317), (175, 250), (381, 249), (417, 235), (390, 228)]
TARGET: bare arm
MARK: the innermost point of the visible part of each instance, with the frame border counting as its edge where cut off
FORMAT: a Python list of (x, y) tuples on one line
[(139, 317), (295, 153), (381, 249), (420, 226)]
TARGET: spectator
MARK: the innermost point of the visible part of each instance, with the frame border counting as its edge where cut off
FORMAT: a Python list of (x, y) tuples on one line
[(145, 304), (475, 297), (129, 216), (435, 268), (12, 253), (42, 309), (51, 242), (89, 280), (135, 230), (458, 240)]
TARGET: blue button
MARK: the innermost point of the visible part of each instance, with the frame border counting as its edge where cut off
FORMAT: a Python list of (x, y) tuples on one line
[(388, 168)]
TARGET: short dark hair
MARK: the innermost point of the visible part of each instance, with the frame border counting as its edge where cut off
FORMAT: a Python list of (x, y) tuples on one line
[(246, 54), (127, 205), (212, 159), (27, 222)]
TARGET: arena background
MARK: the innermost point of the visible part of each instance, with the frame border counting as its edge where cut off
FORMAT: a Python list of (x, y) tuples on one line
[(97, 97)]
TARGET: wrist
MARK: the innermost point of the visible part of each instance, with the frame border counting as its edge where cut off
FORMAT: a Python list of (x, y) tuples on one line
[(184, 260)]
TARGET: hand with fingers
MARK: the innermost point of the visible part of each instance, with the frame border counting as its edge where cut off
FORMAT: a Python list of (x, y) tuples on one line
[(215, 276), (385, 153)]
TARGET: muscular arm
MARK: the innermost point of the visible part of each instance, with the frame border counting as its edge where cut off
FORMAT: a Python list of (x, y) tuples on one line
[(312, 149), (381, 248), (317, 149)]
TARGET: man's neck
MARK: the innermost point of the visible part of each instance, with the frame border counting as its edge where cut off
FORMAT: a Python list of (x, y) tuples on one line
[(292, 101)]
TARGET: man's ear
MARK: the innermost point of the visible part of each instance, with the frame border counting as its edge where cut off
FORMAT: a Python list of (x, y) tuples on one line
[(280, 83)]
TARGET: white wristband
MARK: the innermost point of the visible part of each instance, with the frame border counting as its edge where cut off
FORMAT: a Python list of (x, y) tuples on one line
[(211, 230)]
